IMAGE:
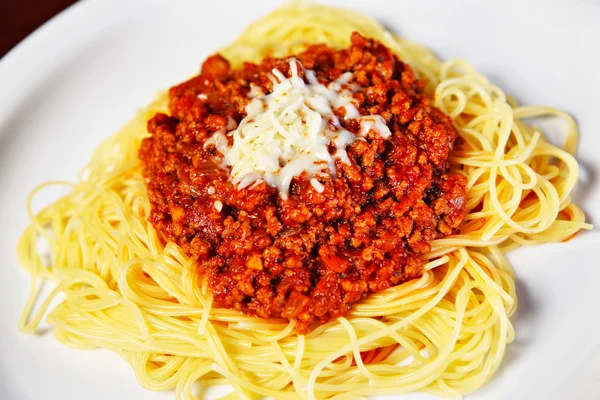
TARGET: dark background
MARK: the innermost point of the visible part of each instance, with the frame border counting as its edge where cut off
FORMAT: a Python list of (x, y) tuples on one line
[(18, 18)]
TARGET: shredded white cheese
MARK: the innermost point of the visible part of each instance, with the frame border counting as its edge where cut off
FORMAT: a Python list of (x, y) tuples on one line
[(218, 205), (286, 132), (317, 185)]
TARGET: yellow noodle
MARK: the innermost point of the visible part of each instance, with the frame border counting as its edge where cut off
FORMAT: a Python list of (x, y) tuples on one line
[(124, 291)]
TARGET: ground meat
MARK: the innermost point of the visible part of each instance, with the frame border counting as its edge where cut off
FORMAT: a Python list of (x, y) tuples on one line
[(307, 258)]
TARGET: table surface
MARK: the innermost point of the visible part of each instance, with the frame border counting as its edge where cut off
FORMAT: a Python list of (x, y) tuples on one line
[(18, 18)]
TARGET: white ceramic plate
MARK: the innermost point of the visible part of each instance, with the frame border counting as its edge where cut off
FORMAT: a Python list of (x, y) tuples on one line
[(77, 79)]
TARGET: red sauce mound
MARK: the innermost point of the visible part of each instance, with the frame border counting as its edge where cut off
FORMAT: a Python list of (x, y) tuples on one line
[(310, 257)]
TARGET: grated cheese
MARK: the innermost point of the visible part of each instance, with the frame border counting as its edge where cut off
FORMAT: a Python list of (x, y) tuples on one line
[(287, 131), (218, 205), (317, 185)]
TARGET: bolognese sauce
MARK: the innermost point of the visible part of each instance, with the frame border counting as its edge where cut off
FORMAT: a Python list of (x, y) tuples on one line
[(309, 252)]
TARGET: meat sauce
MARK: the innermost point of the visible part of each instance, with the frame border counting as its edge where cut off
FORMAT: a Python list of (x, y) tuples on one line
[(310, 257)]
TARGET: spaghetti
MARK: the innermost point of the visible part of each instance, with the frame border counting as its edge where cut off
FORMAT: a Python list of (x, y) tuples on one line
[(444, 333)]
